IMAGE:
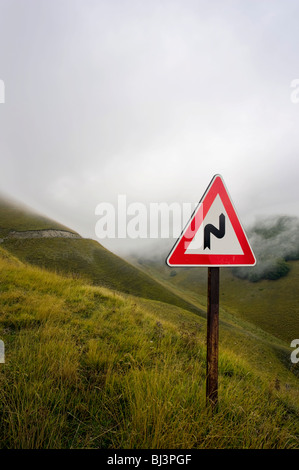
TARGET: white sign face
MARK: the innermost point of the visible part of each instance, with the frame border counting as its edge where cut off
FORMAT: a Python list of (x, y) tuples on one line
[(214, 235), (226, 245)]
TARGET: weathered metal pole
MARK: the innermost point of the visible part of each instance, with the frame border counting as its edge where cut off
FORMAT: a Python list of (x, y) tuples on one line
[(212, 337)]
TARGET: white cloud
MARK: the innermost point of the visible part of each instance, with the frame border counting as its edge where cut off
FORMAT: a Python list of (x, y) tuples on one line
[(150, 99)]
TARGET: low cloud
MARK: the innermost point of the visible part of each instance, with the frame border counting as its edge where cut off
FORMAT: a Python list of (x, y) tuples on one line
[(275, 241)]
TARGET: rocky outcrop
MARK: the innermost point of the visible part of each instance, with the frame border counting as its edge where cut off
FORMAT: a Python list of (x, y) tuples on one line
[(51, 233)]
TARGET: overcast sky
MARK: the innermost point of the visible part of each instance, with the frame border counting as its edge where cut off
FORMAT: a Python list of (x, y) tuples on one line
[(148, 99)]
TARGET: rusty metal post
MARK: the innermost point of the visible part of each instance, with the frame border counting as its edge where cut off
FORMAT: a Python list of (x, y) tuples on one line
[(212, 337)]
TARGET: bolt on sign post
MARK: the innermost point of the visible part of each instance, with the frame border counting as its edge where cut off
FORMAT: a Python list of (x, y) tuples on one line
[(214, 238)]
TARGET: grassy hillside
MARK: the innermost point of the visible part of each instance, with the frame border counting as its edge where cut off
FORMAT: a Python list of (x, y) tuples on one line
[(86, 367), (102, 354), (78, 257), (271, 305), (15, 216)]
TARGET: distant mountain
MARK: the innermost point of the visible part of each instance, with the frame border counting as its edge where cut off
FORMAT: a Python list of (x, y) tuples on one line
[(275, 241)]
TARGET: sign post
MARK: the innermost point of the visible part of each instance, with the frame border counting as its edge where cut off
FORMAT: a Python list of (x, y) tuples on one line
[(212, 337), (213, 237)]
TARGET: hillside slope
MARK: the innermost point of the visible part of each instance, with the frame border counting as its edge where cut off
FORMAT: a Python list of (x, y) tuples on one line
[(16, 216), (273, 305), (75, 256), (88, 368)]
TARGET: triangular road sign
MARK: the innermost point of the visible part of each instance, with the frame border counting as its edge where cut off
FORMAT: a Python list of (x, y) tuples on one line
[(214, 235)]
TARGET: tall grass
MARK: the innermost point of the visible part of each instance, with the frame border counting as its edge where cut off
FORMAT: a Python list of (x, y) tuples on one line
[(89, 368)]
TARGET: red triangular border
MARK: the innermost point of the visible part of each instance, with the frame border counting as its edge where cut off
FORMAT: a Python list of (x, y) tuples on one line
[(178, 257)]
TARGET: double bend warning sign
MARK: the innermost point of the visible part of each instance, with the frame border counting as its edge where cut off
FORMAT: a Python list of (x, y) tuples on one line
[(214, 235)]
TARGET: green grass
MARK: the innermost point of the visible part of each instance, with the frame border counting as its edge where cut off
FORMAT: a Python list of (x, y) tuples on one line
[(92, 262), (100, 354), (78, 257), (271, 305), (89, 368)]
